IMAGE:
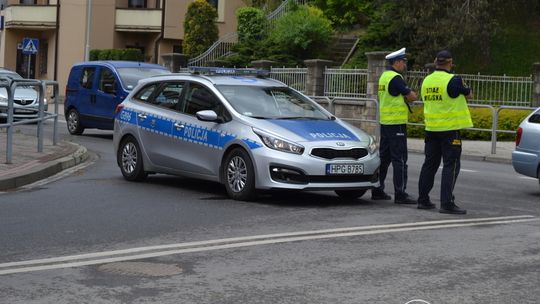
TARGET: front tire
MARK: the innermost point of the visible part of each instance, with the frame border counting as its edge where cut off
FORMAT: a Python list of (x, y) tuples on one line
[(351, 194), (73, 120), (129, 158), (239, 175)]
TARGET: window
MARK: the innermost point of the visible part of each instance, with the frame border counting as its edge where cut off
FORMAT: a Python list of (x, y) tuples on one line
[(169, 96), (87, 77), (107, 82), (214, 3), (145, 93), (535, 118), (28, 2), (43, 56), (201, 98), (137, 4)]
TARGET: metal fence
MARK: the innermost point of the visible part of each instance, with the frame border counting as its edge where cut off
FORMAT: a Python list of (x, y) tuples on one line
[(351, 83), (293, 77)]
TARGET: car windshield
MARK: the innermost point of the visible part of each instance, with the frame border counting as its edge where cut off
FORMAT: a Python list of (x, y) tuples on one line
[(271, 102), (11, 75), (131, 76)]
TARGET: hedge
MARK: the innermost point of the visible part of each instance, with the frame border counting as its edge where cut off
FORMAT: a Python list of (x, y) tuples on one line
[(117, 54), (508, 120)]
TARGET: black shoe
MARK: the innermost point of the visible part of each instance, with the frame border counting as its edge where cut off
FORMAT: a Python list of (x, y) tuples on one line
[(426, 205), (380, 196), (452, 209), (407, 200)]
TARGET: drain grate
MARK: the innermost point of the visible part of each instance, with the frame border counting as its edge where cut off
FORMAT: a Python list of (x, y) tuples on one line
[(141, 269)]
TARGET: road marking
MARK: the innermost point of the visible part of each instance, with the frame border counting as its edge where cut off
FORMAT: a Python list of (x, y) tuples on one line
[(527, 177), (237, 242), (464, 170)]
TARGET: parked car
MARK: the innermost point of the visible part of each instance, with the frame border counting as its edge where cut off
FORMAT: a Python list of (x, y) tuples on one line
[(25, 99), (245, 132), (95, 88), (526, 157)]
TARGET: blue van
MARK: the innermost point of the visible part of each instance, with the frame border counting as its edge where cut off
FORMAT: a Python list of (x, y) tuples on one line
[(95, 88)]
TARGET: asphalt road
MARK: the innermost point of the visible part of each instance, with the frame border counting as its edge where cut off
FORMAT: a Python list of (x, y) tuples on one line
[(176, 240)]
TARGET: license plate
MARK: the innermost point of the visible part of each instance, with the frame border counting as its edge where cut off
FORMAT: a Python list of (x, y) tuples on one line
[(23, 111), (336, 169)]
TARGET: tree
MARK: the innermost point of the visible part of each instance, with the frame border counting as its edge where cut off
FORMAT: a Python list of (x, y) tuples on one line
[(345, 13), (200, 28)]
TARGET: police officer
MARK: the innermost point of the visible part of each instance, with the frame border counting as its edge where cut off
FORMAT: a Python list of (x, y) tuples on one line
[(394, 95), (446, 112)]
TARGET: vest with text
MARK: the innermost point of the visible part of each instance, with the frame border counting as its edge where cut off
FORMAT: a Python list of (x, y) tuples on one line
[(392, 109), (442, 112)]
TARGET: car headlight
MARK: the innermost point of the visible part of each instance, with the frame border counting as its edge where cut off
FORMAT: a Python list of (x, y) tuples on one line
[(372, 148), (3, 100), (279, 144)]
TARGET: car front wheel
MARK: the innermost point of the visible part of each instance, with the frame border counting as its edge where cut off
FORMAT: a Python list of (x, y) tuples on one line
[(350, 194), (74, 122), (130, 160), (239, 175)]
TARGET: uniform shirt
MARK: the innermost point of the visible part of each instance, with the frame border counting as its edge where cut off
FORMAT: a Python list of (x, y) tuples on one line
[(398, 86), (455, 86)]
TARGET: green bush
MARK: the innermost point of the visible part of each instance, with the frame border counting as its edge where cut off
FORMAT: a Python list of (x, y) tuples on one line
[(251, 24), (482, 119), (200, 28), (302, 33), (117, 54)]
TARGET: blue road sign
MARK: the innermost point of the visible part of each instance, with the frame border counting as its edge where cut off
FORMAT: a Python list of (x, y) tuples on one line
[(30, 46)]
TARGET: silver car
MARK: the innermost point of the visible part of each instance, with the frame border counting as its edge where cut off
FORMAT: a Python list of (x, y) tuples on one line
[(526, 157), (245, 132), (25, 99)]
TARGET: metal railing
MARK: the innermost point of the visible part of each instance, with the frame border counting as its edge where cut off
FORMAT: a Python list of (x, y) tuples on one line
[(293, 77), (350, 83), (330, 104), (10, 85)]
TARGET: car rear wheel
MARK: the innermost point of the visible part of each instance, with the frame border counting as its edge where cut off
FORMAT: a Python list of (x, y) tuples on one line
[(130, 160), (74, 122), (239, 175), (350, 194)]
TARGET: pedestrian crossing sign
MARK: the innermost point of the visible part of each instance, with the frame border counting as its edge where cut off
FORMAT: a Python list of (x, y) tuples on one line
[(30, 46)]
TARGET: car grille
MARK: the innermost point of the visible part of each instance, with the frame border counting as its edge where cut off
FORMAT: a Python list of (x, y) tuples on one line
[(329, 153), (23, 102)]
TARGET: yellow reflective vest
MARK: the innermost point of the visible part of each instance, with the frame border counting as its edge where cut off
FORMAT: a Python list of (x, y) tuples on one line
[(442, 112), (392, 109)]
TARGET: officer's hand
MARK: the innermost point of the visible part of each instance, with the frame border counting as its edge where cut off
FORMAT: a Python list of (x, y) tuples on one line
[(411, 96)]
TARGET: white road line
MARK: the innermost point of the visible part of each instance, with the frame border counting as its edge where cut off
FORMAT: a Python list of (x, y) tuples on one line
[(228, 243), (527, 177), (464, 170)]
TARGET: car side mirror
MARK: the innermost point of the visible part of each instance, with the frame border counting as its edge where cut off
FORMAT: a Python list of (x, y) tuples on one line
[(109, 88), (207, 115)]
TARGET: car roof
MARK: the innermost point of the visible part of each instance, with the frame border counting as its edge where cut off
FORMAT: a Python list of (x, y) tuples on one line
[(220, 79), (121, 64)]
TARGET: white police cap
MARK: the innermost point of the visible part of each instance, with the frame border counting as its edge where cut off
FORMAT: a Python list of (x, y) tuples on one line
[(399, 54)]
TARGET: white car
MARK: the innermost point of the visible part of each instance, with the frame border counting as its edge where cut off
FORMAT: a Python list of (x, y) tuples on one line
[(245, 132), (25, 100)]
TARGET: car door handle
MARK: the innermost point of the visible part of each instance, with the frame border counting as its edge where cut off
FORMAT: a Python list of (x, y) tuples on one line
[(178, 126), (142, 116)]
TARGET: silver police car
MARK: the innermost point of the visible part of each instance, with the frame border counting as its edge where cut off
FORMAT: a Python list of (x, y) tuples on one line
[(247, 132), (526, 157)]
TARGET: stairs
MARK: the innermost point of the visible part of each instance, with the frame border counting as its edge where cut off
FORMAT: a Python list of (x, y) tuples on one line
[(341, 47)]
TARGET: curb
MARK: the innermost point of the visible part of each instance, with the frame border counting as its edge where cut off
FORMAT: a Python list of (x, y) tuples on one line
[(46, 169)]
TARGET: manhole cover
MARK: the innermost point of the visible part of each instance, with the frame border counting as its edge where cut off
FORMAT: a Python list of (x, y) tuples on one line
[(141, 269)]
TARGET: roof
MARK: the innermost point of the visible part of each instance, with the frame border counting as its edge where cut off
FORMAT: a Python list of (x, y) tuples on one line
[(122, 64), (221, 80)]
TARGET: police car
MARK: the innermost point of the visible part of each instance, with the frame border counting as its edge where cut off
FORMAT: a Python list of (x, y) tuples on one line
[(241, 129)]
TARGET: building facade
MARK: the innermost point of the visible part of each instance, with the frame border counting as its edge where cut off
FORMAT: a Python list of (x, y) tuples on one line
[(61, 27)]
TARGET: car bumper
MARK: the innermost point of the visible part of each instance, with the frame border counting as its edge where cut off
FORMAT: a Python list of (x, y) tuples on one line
[(22, 113), (525, 163), (280, 170)]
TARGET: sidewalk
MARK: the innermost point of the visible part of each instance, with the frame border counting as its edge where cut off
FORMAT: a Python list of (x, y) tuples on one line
[(29, 166)]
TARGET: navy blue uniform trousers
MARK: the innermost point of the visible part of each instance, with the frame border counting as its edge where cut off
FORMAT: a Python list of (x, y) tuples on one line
[(445, 144), (393, 150)]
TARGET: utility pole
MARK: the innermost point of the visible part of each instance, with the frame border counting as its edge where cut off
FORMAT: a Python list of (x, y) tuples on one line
[(88, 27)]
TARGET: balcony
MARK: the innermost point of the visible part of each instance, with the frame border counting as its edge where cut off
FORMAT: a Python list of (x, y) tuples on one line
[(138, 20), (35, 17)]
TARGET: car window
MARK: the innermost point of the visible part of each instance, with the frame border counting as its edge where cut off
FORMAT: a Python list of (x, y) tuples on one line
[(107, 81), (87, 77), (270, 102), (201, 98), (535, 118), (169, 95), (145, 93), (131, 76)]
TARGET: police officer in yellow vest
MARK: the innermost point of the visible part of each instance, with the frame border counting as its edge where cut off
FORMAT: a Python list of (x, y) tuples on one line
[(446, 112), (394, 95)]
